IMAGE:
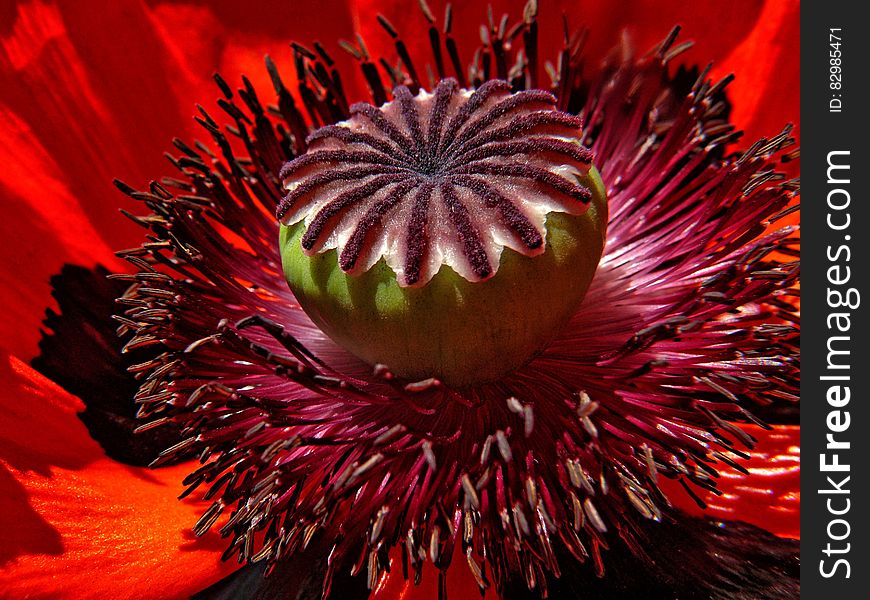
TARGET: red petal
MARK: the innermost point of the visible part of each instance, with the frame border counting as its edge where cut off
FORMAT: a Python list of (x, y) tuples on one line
[(90, 91), (78, 524), (766, 92), (768, 497), (38, 236)]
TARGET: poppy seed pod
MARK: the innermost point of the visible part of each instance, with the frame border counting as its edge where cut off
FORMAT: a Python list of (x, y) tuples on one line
[(447, 235)]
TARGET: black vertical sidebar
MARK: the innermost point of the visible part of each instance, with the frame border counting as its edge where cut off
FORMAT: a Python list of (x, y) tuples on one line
[(835, 300)]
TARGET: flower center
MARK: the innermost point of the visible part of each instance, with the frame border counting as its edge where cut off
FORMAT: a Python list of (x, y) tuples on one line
[(396, 222), (450, 177)]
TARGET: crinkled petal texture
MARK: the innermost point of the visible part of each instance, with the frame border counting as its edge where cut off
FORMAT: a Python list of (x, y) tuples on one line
[(76, 520), (93, 90), (689, 323)]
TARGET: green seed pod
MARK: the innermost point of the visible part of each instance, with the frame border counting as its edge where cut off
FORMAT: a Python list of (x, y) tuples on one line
[(460, 256)]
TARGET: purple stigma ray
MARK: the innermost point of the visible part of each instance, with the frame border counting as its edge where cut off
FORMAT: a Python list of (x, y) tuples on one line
[(469, 237), (372, 218), (512, 217), (448, 141), (345, 135), (327, 177), (337, 206), (417, 238), (527, 123), (338, 156), (374, 115), (409, 112), (477, 99), (502, 108), (443, 94), (531, 146), (537, 174)]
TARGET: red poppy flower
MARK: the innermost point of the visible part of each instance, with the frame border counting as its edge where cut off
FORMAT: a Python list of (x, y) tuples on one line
[(312, 466)]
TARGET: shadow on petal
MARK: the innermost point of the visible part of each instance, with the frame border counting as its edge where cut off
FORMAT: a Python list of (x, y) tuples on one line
[(24, 529), (82, 353)]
